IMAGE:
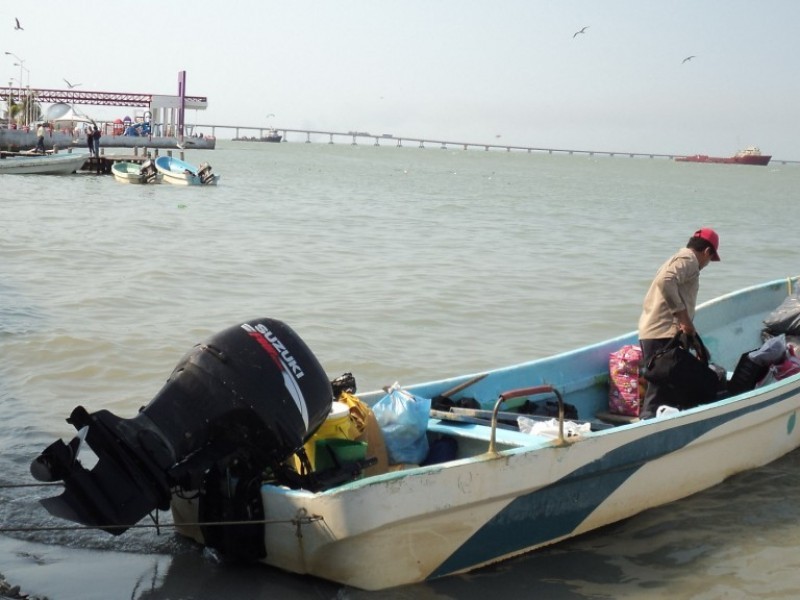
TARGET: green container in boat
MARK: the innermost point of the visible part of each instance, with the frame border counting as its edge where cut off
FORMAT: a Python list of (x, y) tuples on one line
[(343, 450)]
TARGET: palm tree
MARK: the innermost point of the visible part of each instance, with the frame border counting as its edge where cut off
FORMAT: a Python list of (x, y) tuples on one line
[(28, 110), (13, 110)]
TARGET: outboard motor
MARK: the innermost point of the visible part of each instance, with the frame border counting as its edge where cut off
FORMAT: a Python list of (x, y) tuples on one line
[(148, 172), (205, 174), (234, 406)]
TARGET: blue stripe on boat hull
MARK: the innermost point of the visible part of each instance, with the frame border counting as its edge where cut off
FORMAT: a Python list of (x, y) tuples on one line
[(558, 509)]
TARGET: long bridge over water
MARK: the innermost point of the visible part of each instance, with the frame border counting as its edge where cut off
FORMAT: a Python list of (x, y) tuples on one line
[(356, 137)]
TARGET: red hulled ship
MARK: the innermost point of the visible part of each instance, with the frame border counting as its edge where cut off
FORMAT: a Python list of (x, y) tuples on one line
[(749, 156)]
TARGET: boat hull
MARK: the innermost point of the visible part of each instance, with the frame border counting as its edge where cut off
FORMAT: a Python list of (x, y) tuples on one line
[(51, 164), (762, 160), (128, 172), (271, 138), (407, 528), (426, 522), (178, 179)]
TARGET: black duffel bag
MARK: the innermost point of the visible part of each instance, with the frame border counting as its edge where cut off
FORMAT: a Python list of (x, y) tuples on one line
[(683, 366), (746, 375)]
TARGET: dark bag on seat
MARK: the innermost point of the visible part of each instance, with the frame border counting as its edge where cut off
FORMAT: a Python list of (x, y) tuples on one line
[(746, 375), (683, 365)]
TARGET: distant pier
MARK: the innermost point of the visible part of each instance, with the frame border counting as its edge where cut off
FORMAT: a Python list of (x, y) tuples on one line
[(356, 137), (362, 137)]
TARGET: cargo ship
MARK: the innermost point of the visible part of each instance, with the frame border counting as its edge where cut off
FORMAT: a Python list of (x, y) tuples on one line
[(272, 136), (749, 156)]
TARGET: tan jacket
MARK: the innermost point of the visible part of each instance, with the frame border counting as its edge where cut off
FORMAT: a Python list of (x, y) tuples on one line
[(674, 288)]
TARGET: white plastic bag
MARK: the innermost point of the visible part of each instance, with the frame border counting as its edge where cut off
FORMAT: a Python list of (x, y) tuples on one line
[(403, 418), (550, 427), (666, 410)]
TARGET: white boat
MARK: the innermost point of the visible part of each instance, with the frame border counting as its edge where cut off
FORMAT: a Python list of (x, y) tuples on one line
[(131, 172), (42, 164), (180, 172), (240, 403)]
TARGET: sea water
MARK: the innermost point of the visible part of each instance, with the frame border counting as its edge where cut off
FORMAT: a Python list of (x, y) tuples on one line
[(395, 264)]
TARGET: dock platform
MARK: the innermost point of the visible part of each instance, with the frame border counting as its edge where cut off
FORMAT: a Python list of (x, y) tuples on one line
[(102, 165)]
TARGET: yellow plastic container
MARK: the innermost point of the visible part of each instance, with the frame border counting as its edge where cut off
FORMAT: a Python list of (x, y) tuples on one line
[(336, 426)]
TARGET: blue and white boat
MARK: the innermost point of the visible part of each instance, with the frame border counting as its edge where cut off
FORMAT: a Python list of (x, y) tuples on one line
[(504, 492), (180, 172)]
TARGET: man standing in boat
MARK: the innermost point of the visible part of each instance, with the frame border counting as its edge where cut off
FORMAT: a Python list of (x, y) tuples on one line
[(670, 304)]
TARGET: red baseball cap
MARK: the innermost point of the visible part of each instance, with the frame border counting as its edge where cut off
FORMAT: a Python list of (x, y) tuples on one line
[(711, 237)]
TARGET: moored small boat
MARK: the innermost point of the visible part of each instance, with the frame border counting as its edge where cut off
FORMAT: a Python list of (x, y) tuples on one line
[(131, 172), (41, 164), (238, 406), (749, 156), (180, 172)]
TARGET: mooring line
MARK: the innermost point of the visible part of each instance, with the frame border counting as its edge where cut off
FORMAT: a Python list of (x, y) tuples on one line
[(33, 528)]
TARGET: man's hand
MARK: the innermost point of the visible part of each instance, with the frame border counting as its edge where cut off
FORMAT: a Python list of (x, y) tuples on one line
[(685, 323)]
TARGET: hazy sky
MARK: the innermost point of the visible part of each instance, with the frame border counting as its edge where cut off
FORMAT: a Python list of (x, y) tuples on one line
[(503, 71)]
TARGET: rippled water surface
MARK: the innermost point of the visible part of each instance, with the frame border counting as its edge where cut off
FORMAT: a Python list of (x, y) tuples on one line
[(397, 264)]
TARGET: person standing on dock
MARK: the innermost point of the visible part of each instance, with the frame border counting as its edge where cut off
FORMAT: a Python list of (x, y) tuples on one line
[(96, 142), (89, 140), (40, 138)]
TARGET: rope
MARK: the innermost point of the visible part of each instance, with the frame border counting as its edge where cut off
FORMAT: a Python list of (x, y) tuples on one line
[(23, 485), (298, 522)]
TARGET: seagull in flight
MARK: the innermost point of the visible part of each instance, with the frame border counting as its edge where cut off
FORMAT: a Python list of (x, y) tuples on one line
[(18, 26), (688, 58), (583, 30), (72, 85)]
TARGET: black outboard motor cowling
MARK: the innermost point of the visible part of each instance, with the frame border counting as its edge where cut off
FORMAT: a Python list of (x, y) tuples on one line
[(253, 393)]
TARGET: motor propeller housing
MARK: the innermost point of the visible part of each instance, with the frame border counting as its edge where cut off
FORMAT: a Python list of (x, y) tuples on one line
[(253, 393)]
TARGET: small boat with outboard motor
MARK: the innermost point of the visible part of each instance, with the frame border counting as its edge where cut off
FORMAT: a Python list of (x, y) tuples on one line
[(263, 458), (132, 172), (180, 172)]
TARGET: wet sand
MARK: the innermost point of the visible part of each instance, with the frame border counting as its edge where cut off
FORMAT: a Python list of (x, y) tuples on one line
[(65, 573)]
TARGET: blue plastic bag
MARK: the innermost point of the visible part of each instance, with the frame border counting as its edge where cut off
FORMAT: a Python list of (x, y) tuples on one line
[(403, 418)]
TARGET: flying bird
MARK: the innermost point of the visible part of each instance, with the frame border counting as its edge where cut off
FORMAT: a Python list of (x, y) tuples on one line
[(583, 30), (72, 85), (18, 26), (687, 58)]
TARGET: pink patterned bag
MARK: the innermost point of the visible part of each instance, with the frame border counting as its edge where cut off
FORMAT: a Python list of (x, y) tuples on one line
[(624, 390)]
